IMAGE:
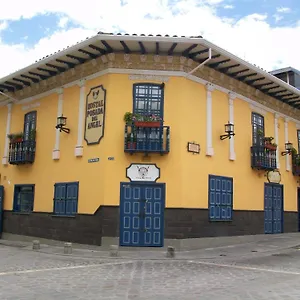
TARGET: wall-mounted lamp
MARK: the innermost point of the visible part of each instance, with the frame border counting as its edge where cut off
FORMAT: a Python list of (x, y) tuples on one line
[(288, 148), (229, 129), (61, 123)]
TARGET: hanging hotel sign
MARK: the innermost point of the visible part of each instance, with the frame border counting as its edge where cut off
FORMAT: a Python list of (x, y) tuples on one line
[(141, 172), (274, 176), (95, 115)]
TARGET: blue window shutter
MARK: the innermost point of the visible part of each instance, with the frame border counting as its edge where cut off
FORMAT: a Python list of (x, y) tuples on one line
[(220, 198), (60, 199), (72, 198)]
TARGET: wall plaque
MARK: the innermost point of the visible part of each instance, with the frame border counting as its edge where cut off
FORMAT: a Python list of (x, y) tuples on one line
[(143, 172), (95, 115), (93, 160), (274, 176), (193, 147)]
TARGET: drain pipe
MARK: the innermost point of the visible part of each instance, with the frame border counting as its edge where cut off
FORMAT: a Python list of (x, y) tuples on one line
[(203, 63), (13, 99)]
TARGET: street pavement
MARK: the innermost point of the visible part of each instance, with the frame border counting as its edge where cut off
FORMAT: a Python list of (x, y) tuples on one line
[(267, 269)]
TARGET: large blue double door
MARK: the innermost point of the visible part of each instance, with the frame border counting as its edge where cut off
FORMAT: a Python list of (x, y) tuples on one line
[(142, 214), (273, 208)]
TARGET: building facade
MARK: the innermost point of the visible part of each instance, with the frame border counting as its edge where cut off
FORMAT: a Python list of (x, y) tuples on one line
[(124, 137)]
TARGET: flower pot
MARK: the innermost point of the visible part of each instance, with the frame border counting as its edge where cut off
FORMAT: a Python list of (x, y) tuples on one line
[(147, 124), (131, 145), (270, 147)]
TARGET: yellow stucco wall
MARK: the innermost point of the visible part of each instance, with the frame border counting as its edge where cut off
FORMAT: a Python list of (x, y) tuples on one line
[(185, 174)]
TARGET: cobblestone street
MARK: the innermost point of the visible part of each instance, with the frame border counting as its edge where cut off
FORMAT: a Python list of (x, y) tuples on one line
[(227, 273)]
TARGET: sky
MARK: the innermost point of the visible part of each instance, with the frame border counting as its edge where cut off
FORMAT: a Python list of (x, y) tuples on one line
[(263, 32)]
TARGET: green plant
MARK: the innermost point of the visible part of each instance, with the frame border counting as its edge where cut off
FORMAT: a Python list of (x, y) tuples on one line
[(15, 136), (260, 132), (32, 134), (131, 138), (294, 151), (128, 117)]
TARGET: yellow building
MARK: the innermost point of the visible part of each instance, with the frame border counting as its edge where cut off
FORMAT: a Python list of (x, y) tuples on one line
[(122, 136)]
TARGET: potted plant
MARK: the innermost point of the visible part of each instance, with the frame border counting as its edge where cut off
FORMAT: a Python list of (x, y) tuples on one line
[(128, 118), (147, 120), (131, 141), (15, 137), (260, 132), (269, 145)]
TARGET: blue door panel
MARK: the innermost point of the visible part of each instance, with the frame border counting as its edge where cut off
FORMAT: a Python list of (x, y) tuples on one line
[(142, 214), (273, 208)]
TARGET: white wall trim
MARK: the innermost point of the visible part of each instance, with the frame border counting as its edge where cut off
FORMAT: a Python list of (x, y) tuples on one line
[(231, 97), (56, 150), (286, 136), (258, 109), (79, 147), (255, 105), (276, 139), (8, 124), (209, 145)]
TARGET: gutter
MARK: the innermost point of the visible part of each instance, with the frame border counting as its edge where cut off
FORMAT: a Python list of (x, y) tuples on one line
[(202, 64), (14, 100)]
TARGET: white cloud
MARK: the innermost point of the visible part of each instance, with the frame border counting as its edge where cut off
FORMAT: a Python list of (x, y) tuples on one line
[(283, 9), (277, 17), (228, 6), (251, 36), (63, 22)]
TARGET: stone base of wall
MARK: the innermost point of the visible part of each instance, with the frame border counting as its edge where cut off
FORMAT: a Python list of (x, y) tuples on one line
[(180, 223)]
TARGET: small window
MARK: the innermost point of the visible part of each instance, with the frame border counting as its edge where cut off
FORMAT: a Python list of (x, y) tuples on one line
[(29, 126), (258, 129), (65, 198), (23, 198), (220, 198)]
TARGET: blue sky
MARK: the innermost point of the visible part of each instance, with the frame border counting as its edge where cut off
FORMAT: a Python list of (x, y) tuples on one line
[(260, 31)]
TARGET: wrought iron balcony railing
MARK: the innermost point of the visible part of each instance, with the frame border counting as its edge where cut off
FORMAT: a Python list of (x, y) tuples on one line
[(147, 139), (296, 164), (262, 158), (21, 152)]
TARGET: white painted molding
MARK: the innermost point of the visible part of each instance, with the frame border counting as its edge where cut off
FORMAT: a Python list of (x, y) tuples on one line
[(258, 109), (79, 147), (231, 97), (209, 145), (255, 104), (286, 136), (56, 150), (276, 139), (6, 143)]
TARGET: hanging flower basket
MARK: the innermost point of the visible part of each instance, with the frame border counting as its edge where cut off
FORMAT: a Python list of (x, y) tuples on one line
[(147, 124), (270, 147)]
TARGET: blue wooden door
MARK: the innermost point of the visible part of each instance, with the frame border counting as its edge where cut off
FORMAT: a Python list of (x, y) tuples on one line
[(1, 208), (273, 203), (298, 195), (142, 214)]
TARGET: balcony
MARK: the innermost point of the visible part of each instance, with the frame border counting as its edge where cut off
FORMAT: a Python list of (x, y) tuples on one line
[(263, 158), (22, 152), (296, 164), (147, 139)]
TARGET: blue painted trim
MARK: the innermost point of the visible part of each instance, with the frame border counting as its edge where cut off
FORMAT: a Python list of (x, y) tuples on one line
[(65, 184), (1, 208), (149, 84), (232, 212), (144, 183), (266, 184), (15, 196)]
